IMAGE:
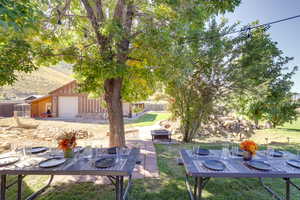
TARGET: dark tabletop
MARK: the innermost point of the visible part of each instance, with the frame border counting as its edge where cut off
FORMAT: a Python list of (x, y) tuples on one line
[(235, 166), (160, 132), (83, 166)]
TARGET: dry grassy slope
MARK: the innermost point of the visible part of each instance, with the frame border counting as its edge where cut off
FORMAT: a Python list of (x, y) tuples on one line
[(39, 82)]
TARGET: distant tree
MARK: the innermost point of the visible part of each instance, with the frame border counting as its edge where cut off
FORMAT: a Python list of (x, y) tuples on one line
[(279, 107), (270, 96)]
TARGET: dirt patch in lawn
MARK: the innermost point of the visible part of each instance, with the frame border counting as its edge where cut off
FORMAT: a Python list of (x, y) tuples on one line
[(46, 131)]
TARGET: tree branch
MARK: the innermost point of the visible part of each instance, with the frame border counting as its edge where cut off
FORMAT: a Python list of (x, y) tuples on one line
[(63, 11), (133, 35), (119, 10), (99, 10), (93, 19)]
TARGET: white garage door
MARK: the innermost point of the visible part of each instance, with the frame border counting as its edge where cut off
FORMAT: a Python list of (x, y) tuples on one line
[(67, 107)]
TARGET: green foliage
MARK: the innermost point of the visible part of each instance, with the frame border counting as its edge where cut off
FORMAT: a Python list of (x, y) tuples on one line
[(230, 72), (17, 15), (15, 55), (18, 23), (270, 97)]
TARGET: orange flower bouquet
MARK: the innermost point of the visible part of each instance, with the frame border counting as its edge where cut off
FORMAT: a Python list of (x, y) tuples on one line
[(67, 142), (250, 149)]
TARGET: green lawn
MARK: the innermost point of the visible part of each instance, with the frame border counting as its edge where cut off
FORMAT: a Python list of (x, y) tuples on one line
[(171, 184), (281, 133), (149, 119)]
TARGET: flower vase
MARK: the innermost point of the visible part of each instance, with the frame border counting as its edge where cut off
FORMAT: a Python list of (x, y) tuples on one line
[(247, 156), (68, 153)]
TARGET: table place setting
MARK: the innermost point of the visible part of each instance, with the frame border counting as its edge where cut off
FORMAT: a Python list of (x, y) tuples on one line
[(5, 161), (198, 152), (64, 157), (239, 161)]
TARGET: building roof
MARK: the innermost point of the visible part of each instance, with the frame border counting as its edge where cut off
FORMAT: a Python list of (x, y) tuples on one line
[(31, 97), (39, 99), (57, 89)]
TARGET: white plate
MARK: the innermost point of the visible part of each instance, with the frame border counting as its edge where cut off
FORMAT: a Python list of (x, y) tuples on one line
[(52, 162), (34, 150), (8, 160)]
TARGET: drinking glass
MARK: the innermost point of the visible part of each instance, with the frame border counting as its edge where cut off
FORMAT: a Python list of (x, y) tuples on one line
[(53, 148), (298, 155), (100, 151), (25, 152), (225, 151), (14, 147), (270, 152), (117, 154), (76, 157), (235, 150), (194, 152), (87, 152)]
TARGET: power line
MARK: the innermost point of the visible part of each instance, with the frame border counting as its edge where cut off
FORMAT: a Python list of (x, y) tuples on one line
[(266, 25), (275, 22)]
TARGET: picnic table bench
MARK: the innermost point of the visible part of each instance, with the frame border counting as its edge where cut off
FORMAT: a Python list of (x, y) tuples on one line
[(116, 174), (236, 168)]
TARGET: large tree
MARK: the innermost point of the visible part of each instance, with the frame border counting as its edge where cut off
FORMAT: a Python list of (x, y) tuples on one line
[(221, 68), (118, 47)]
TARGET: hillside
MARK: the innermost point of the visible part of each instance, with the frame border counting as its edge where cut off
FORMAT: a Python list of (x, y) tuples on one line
[(39, 82)]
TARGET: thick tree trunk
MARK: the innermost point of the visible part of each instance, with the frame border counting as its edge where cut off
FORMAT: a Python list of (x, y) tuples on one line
[(113, 100)]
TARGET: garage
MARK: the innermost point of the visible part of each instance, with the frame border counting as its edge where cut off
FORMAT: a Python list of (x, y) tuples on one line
[(68, 106)]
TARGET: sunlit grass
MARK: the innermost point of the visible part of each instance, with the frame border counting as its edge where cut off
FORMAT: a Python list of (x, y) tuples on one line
[(149, 119)]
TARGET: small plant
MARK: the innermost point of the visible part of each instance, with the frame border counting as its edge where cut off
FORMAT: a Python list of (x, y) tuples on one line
[(249, 146), (67, 142)]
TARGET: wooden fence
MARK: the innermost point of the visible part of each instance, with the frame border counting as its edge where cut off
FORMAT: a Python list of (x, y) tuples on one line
[(7, 109)]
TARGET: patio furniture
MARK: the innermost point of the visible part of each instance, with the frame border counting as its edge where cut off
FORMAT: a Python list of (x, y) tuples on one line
[(83, 166), (237, 168), (161, 134)]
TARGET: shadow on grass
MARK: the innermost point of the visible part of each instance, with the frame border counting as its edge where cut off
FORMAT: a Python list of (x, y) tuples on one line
[(290, 129), (11, 192)]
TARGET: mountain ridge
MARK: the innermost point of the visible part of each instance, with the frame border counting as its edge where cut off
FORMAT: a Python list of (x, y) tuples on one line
[(39, 82)]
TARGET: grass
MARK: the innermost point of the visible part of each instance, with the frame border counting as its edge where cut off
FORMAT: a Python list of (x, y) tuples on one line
[(149, 119), (170, 185), (289, 131)]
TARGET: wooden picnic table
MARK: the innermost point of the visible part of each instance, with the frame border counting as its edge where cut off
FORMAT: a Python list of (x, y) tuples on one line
[(82, 166), (236, 168)]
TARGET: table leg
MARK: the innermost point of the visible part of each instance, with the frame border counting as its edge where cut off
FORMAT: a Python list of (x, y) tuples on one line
[(200, 188), (287, 187), (118, 188), (3, 187), (196, 188), (20, 180), (121, 186)]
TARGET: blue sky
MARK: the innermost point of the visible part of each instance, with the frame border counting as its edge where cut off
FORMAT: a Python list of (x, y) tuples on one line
[(287, 33)]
